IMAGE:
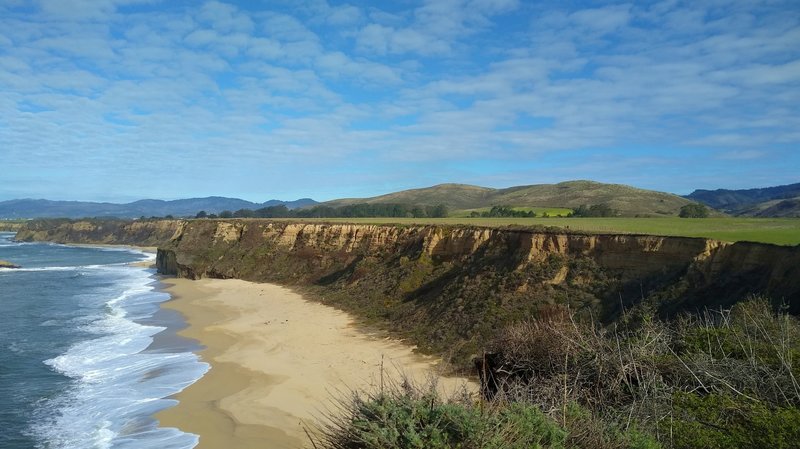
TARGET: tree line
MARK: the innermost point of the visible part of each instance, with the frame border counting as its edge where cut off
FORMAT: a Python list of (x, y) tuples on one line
[(504, 211), (362, 210)]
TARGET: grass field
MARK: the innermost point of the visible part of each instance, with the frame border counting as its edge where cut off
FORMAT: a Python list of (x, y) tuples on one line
[(779, 231)]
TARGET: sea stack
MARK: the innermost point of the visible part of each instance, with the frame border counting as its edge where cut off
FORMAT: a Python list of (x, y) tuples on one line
[(7, 264)]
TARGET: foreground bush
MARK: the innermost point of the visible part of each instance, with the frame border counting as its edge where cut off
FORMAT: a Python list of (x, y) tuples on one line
[(409, 417), (726, 379)]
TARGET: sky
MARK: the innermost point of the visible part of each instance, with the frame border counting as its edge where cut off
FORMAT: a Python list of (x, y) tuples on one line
[(118, 100)]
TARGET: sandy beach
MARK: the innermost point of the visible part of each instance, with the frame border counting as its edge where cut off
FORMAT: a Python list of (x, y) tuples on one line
[(276, 360)]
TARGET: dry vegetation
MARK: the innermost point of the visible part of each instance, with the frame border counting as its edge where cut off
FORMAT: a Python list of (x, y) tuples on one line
[(724, 379)]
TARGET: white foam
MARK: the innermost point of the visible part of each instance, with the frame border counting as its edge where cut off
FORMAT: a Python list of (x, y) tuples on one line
[(117, 384), (17, 270)]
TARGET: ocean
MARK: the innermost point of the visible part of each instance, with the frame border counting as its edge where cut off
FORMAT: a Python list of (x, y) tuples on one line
[(87, 356)]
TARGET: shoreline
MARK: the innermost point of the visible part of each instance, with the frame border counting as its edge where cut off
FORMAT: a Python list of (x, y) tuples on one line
[(278, 361)]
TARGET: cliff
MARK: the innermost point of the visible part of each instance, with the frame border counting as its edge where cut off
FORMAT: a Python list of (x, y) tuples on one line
[(10, 226), (448, 288), (106, 232)]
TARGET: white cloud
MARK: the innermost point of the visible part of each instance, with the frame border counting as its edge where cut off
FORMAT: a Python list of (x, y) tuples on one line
[(264, 48), (344, 15), (602, 20), (337, 64), (742, 155), (374, 38), (224, 18), (201, 37), (467, 80)]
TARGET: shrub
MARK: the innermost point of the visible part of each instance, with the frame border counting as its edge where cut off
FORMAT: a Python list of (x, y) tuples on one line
[(694, 210), (722, 379), (408, 417), (725, 421)]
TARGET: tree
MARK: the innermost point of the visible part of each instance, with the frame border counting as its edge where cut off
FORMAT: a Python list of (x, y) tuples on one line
[(226, 214), (694, 210), (201, 214), (595, 210), (244, 213)]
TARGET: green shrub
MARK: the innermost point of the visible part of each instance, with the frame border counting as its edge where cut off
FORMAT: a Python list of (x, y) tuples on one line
[(694, 210), (723, 379), (408, 418), (726, 421)]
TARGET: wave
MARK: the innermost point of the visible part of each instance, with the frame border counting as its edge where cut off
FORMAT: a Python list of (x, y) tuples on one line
[(23, 270), (77, 267), (115, 380)]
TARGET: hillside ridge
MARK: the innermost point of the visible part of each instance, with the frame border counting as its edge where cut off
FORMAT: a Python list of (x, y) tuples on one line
[(41, 208), (627, 200), (757, 202)]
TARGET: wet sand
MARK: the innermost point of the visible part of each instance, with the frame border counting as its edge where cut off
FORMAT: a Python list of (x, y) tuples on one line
[(276, 360)]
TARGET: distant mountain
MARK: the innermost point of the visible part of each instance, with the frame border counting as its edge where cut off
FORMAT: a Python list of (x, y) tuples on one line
[(296, 204), (30, 208), (788, 208), (751, 202), (629, 201)]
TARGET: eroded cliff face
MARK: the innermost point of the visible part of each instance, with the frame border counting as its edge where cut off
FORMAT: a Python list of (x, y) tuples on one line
[(326, 246), (107, 232), (447, 288)]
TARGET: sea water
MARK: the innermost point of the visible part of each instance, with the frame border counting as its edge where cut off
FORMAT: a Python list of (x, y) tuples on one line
[(86, 354)]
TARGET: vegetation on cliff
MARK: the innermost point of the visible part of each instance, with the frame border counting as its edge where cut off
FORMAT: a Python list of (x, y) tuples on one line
[(722, 379), (10, 225), (449, 289)]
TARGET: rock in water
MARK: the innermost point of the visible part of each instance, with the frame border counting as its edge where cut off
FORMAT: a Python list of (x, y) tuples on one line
[(6, 264)]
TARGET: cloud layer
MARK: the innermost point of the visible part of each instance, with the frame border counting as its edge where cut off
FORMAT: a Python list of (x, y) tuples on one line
[(121, 99)]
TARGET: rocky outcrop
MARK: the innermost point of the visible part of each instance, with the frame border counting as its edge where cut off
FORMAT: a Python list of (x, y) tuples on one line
[(9, 226), (448, 287), (7, 264), (108, 232)]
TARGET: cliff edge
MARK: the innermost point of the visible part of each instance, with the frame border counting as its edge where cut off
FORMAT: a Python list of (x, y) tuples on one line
[(447, 288)]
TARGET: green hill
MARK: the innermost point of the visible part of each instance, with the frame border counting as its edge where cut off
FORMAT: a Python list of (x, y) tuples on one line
[(455, 196), (629, 201)]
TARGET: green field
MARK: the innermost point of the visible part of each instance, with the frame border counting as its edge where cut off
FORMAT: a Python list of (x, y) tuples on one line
[(540, 211), (779, 231)]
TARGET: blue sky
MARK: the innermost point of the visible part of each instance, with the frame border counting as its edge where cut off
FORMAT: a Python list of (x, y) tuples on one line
[(126, 99)]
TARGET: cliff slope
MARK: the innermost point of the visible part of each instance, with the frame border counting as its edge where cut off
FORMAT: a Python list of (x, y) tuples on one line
[(108, 232), (449, 288)]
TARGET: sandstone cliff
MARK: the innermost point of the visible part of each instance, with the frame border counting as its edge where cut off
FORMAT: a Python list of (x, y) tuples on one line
[(447, 288), (109, 232), (9, 226)]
